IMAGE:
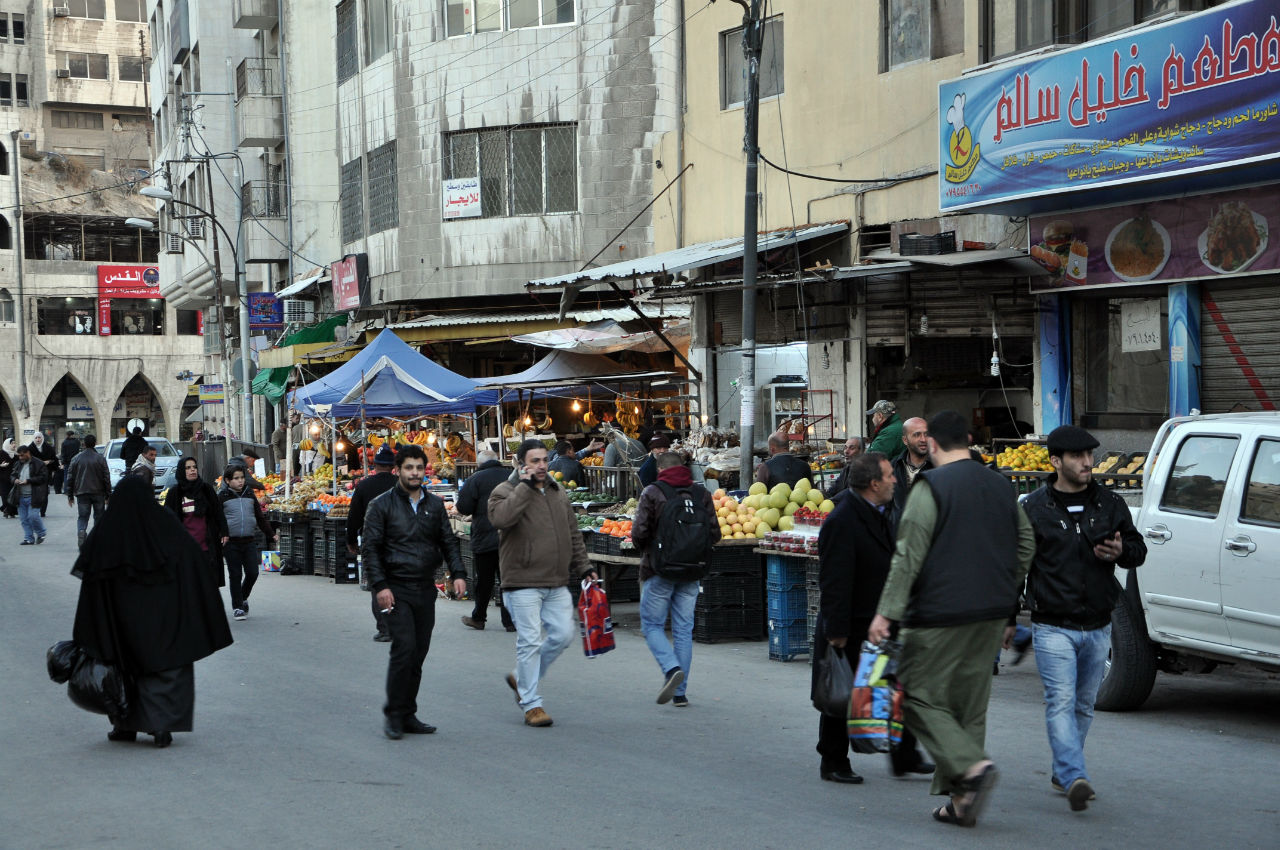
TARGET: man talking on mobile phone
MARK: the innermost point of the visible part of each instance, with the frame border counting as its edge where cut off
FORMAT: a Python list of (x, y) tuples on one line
[(406, 536), (541, 549), (1083, 531)]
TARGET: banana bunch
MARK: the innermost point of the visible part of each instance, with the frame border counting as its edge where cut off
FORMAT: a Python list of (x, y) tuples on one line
[(452, 443), (589, 419), (306, 445)]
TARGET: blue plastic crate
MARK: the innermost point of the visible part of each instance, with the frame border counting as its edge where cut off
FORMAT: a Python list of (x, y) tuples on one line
[(788, 638), (788, 604), (781, 571)]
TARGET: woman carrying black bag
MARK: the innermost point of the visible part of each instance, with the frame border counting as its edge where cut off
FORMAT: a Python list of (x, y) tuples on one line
[(149, 606)]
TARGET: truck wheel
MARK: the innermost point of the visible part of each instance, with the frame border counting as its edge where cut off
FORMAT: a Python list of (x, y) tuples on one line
[(1131, 665)]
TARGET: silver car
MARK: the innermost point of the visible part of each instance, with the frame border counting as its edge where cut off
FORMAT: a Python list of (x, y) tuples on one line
[(166, 460)]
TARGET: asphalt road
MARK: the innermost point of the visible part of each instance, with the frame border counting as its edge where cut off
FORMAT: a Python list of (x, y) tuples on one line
[(288, 748)]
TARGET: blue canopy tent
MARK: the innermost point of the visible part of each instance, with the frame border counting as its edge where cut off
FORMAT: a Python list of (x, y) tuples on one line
[(394, 380)]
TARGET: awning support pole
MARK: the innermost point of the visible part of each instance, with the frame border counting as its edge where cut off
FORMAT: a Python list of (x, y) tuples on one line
[(655, 331)]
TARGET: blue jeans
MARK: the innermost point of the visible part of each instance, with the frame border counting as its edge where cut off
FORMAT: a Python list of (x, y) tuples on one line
[(32, 525), (544, 627), (658, 597), (1071, 664)]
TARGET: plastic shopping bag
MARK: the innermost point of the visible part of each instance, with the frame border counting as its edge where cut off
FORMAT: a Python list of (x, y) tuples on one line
[(875, 707), (594, 621)]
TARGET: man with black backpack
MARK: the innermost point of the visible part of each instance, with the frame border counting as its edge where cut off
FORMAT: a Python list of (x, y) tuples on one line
[(675, 528)]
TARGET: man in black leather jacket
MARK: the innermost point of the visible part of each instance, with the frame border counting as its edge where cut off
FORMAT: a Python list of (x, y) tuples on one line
[(473, 501), (1083, 532), (406, 537)]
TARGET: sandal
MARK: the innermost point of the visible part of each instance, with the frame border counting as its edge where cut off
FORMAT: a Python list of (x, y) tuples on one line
[(978, 788), (947, 814)]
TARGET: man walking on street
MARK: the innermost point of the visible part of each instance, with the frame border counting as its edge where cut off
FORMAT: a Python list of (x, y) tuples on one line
[(541, 549), (244, 516), (88, 485), (366, 491), (133, 445), (915, 436), (963, 549), (1083, 532), (473, 501), (675, 528), (31, 480), (855, 546), (69, 449), (406, 536), (145, 466)]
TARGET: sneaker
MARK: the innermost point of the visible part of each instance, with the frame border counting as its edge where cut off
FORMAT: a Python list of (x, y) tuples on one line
[(1057, 786), (680, 701), (239, 614), (27, 543), (244, 606), (1079, 794), (674, 677), (537, 717), (40, 539)]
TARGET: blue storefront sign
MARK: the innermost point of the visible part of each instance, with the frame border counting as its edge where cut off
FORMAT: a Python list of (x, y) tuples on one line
[(1192, 95), (265, 311)]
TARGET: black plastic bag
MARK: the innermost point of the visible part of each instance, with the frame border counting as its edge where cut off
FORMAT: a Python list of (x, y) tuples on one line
[(62, 658), (835, 684), (99, 688)]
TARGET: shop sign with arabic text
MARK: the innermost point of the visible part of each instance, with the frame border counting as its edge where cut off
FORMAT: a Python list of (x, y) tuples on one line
[(124, 282), (1192, 94)]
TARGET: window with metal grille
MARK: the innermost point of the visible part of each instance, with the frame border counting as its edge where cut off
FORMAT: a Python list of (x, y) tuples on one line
[(377, 29), (383, 208), (131, 10), (348, 40), (351, 200), (523, 170), (65, 119), (84, 66), (132, 68), (733, 73), (87, 8)]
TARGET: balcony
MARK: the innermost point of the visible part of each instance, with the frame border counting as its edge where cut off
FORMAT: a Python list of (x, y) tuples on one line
[(254, 14), (265, 240), (262, 199), (259, 106)]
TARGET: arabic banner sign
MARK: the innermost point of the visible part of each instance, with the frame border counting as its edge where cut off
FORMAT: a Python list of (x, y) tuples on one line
[(1193, 94), (212, 394), (461, 197), (1202, 236), (350, 282), (124, 282), (265, 311)]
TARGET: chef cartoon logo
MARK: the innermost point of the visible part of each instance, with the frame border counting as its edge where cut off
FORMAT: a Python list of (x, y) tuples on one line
[(961, 148)]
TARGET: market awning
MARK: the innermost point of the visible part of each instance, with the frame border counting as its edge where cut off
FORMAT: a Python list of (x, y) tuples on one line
[(690, 257), (568, 369), (293, 348), (606, 337), (294, 288), (1008, 261), (813, 275), (483, 324), (271, 383)]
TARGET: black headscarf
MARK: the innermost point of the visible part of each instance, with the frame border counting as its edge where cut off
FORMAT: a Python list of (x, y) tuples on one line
[(135, 537), (148, 601), (197, 491)]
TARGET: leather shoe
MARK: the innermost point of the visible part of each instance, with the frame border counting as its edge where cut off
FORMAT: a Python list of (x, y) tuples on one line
[(845, 776), (393, 728), (478, 625), (382, 637), (510, 628), (414, 726), (921, 768)]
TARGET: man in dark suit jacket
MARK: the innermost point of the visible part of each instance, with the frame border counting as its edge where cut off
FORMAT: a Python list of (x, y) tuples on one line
[(855, 547), (473, 501)]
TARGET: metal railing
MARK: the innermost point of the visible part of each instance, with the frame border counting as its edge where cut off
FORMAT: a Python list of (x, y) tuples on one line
[(263, 199), (258, 77)]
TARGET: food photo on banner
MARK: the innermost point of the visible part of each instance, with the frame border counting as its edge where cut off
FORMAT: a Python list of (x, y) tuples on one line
[(1223, 234), (1194, 94)]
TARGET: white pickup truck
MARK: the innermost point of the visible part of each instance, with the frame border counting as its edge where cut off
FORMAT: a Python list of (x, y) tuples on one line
[(1209, 591)]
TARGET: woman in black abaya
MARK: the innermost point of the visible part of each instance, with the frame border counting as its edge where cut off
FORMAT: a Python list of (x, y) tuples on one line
[(196, 505), (149, 605)]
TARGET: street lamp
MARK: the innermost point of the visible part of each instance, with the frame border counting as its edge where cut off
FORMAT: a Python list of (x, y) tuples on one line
[(242, 290)]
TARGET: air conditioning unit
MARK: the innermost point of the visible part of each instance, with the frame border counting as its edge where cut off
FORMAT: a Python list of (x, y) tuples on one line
[(298, 311), (195, 228), (62, 11), (172, 243), (62, 73)]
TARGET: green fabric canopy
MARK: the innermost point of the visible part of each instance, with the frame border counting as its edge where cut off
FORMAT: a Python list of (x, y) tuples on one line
[(322, 332), (271, 383)]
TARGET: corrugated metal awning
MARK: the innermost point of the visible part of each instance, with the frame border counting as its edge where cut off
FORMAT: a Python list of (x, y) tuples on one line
[(690, 257), (294, 288), (1009, 261)]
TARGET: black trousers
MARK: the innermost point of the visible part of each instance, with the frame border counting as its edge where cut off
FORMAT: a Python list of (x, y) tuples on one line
[(410, 623), (487, 572), (833, 732), (243, 561), (378, 617)]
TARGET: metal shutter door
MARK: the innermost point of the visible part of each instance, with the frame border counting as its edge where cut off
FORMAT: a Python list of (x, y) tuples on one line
[(1240, 346)]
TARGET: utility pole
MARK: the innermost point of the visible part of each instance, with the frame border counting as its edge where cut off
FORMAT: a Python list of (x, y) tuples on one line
[(752, 46)]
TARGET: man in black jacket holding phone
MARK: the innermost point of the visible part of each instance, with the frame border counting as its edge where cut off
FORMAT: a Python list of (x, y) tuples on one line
[(1083, 532), (406, 536), (855, 547)]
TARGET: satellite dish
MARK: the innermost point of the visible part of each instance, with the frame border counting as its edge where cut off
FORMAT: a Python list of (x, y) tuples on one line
[(135, 423)]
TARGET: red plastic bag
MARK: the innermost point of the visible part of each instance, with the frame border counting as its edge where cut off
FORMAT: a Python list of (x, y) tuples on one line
[(594, 621)]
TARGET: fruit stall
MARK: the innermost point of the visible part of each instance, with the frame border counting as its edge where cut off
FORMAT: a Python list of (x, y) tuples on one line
[(1026, 464)]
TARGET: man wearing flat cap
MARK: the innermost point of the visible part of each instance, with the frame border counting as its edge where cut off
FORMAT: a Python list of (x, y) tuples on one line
[(886, 430), (1083, 531), (648, 472), (380, 480)]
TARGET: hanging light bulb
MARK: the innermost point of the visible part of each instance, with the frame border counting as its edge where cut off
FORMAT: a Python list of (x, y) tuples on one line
[(315, 427), (576, 406), (528, 421), (339, 446), (431, 438), (637, 410)]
